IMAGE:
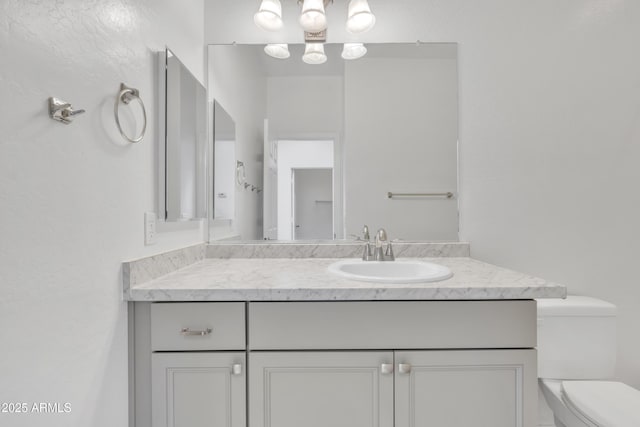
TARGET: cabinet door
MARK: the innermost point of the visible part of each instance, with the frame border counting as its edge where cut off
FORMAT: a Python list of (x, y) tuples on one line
[(198, 390), (466, 388), (321, 389)]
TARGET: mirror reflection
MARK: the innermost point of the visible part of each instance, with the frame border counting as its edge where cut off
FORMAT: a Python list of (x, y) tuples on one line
[(185, 127), (330, 142), (224, 176)]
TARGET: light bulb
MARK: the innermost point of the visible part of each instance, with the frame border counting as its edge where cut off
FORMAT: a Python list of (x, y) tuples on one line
[(359, 17), (277, 50), (353, 50), (269, 16), (314, 54), (312, 17)]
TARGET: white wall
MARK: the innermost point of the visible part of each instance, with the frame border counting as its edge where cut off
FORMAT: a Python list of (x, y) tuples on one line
[(401, 135), (549, 131), (236, 83), (290, 113), (72, 197)]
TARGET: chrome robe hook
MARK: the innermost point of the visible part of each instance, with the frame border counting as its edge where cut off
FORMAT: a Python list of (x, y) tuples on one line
[(62, 111)]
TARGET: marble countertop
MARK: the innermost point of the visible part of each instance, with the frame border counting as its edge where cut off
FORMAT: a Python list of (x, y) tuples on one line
[(281, 279)]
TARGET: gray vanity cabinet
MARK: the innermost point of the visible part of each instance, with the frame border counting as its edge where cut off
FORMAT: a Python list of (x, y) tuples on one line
[(198, 389), (190, 364), (447, 363), (452, 388), (338, 364), (320, 389), (491, 388)]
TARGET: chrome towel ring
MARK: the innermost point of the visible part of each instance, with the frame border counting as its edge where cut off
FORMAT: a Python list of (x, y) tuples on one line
[(125, 95)]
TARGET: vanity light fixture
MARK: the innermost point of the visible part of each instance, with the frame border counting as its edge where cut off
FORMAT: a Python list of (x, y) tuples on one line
[(277, 50), (353, 51), (269, 16), (359, 18), (314, 54), (313, 21), (312, 17)]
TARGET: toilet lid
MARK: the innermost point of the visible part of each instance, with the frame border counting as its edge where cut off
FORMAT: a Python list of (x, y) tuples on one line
[(604, 403)]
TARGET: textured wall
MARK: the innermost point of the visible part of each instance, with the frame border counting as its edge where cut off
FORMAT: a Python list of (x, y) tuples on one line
[(549, 131), (72, 197)]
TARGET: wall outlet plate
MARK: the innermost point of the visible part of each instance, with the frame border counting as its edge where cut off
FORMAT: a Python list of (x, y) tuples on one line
[(150, 219)]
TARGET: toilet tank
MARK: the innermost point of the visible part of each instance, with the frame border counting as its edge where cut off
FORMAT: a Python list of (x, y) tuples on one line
[(576, 338)]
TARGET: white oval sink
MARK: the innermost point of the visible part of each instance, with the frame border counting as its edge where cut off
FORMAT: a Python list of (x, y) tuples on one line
[(404, 271)]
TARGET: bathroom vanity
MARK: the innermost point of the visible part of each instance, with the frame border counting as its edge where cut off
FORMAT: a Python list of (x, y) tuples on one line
[(281, 343)]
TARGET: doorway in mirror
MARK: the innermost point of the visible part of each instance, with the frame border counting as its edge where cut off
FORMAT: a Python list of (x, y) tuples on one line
[(299, 190)]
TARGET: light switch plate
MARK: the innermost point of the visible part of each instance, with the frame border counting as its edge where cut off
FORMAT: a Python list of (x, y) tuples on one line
[(150, 228)]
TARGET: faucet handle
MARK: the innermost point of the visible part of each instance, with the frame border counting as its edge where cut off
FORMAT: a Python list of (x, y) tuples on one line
[(365, 233), (389, 253), (380, 255), (366, 255)]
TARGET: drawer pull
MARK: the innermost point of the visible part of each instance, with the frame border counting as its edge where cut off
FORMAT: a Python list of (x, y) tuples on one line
[(236, 369), (404, 368), (189, 332), (386, 368)]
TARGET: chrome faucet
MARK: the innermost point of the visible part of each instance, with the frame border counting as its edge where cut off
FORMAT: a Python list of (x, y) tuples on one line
[(380, 254)]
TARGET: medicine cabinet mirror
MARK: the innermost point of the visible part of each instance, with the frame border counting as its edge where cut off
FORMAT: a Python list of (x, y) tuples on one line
[(183, 136)]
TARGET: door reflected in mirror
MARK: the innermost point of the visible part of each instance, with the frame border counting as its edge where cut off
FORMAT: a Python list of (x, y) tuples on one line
[(391, 118), (312, 194), (303, 191)]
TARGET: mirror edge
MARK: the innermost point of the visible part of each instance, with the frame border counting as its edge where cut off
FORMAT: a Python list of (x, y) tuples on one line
[(162, 66), (161, 131)]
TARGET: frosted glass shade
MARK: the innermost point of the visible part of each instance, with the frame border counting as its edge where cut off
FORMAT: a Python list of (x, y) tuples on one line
[(279, 51), (312, 17), (359, 17), (314, 54), (269, 16), (353, 50)]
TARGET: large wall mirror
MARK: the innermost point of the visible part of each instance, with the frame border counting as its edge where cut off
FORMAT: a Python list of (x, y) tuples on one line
[(183, 141), (346, 143)]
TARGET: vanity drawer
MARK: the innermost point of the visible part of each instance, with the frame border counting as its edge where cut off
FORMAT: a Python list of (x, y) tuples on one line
[(392, 325), (198, 326)]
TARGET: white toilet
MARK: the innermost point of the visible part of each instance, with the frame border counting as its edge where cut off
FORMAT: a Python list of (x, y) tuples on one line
[(576, 356)]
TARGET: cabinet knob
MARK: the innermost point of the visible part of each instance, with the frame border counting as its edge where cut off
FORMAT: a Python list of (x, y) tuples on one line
[(404, 368), (236, 369), (189, 332), (386, 368)]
